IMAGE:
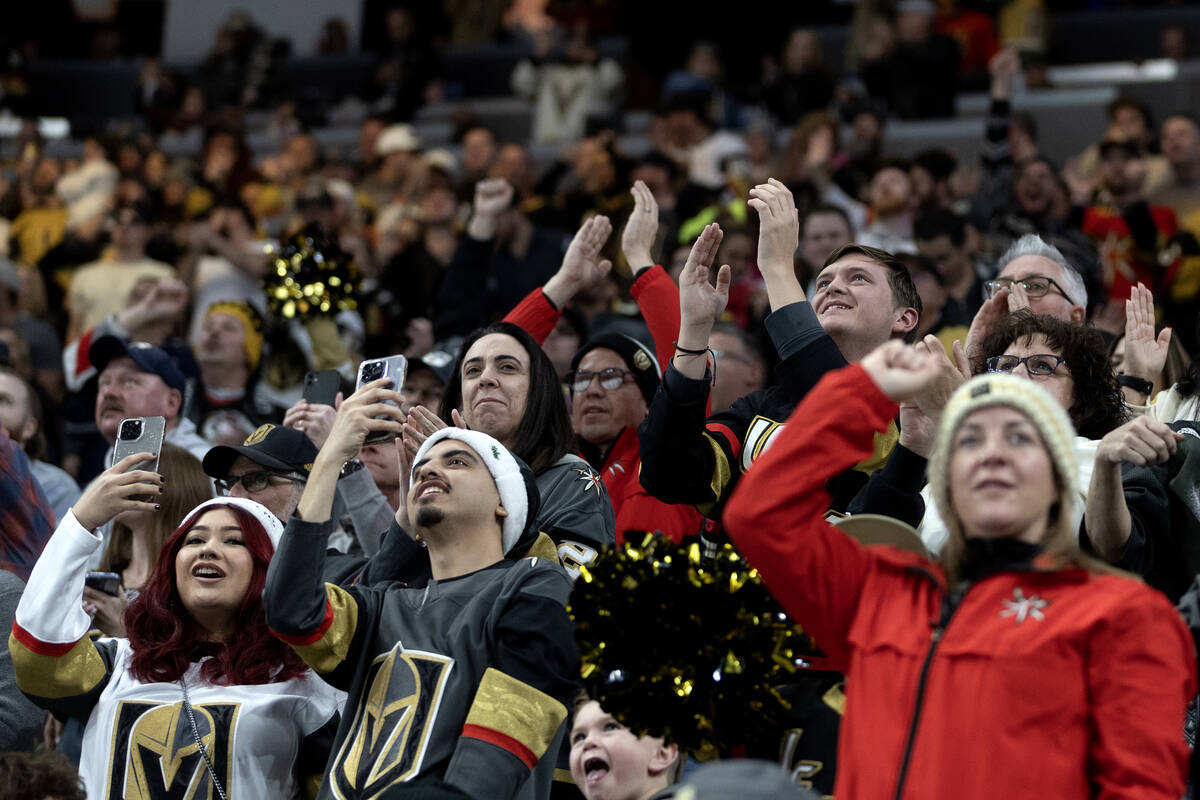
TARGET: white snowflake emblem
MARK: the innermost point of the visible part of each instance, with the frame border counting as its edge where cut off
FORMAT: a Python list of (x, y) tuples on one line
[(1021, 607), (590, 478)]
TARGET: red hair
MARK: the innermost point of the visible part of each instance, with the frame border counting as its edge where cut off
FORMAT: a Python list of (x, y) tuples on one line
[(163, 635)]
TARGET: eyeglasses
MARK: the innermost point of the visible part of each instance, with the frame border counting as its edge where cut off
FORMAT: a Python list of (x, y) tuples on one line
[(610, 379), (732, 356), (1036, 286), (255, 480), (1040, 364)]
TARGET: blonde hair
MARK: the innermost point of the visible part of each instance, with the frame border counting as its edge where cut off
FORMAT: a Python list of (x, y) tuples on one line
[(1057, 436)]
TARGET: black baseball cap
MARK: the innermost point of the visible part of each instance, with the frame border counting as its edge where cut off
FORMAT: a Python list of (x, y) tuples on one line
[(271, 446), (149, 358)]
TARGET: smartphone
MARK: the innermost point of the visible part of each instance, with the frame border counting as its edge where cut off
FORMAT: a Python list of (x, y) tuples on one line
[(394, 367), (321, 388), (140, 435), (107, 582)]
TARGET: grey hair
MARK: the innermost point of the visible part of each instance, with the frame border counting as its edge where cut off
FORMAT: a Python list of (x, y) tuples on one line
[(1033, 245)]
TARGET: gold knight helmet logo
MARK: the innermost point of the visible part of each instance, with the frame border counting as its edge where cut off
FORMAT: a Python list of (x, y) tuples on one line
[(155, 755), (392, 724)]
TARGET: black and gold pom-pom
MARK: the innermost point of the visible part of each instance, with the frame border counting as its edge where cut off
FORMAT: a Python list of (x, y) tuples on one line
[(311, 275), (689, 648)]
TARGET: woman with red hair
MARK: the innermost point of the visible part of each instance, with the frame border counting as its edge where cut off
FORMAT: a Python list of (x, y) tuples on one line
[(201, 700)]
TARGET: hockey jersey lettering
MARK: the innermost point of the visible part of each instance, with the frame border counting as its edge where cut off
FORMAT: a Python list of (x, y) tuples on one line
[(391, 729)]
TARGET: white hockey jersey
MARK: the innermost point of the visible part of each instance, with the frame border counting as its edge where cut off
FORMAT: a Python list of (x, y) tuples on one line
[(138, 742)]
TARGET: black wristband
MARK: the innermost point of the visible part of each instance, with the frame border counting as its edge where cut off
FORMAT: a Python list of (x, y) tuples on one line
[(684, 350), (1140, 385)]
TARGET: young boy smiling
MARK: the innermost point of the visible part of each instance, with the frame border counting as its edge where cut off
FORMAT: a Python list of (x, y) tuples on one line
[(609, 763)]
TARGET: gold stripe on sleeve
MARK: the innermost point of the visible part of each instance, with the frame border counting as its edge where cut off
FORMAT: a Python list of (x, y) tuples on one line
[(517, 710), (325, 653), (75, 672)]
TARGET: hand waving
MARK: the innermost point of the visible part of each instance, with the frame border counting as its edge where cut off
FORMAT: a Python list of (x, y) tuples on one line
[(700, 302), (582, 267), (778, 226), (637, 241), (1145, 354)]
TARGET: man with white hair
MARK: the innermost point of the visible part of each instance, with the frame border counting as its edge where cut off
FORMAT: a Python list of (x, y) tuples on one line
[(473, 670), (1038, 276)]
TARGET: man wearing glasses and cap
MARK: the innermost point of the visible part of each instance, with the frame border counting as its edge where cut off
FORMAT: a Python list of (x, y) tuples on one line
[(270, 467)]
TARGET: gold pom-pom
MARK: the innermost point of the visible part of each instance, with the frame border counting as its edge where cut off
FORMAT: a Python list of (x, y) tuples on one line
[(311, 275), (689, 648)]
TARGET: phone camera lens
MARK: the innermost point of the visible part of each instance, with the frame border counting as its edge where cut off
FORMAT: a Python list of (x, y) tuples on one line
[(131, 429), (372, 371)]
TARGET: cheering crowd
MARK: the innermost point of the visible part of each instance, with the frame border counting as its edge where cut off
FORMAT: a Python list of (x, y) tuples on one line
[(947, 411)]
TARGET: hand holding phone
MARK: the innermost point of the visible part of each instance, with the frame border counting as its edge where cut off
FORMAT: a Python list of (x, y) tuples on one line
[(121, 487), (321, 388), (107, 582), (140, 435), (394, 367)]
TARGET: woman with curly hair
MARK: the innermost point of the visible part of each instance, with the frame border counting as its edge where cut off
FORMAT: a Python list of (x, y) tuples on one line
[(1082, 378), (1068, 361), (200, 699)]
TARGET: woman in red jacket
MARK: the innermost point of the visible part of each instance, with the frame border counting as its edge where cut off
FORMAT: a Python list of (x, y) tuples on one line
[(1015, 666)]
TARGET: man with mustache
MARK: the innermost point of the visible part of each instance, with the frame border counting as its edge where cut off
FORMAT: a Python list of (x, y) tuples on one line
[(140, 380)]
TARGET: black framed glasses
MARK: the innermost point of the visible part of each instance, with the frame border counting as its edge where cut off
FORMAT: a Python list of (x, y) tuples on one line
[(255, 480), (1036, 286), (610, 379), (1040, 364)]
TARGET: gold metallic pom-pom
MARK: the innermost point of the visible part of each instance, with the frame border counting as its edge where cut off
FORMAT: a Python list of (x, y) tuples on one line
[(691, 649), (311, 275)]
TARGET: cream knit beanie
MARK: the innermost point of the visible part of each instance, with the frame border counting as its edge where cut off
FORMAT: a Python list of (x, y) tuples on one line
[(1046, 414)]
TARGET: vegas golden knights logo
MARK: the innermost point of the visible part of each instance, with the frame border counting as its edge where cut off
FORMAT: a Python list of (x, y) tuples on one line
[(155, 756), (259, 434), (390, 734)]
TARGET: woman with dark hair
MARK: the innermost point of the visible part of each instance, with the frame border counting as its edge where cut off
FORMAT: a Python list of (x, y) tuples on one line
[(1082, 379), (1068, 361), (1014, 664), (537, 430), (201, 697), (504, 385)]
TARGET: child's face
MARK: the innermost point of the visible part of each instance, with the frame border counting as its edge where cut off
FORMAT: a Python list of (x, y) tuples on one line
[(610, 763)]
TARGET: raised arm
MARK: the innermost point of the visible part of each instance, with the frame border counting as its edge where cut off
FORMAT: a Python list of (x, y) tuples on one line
[(776, 515), (1145, 353), (55, 661), (656, 294), (582, 267), (319, 619), (1142, 441), (778, 238), (681, 463)]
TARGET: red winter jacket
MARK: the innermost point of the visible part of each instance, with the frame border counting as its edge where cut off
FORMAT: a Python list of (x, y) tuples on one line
[(1047, 683)]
